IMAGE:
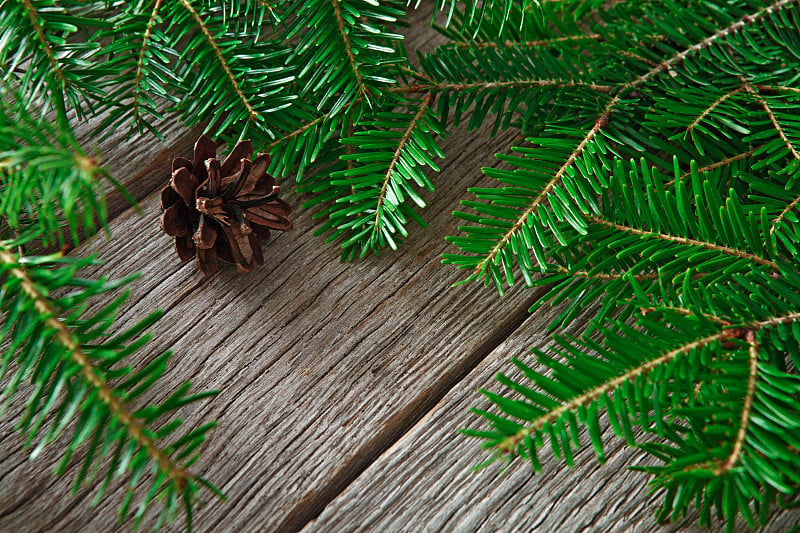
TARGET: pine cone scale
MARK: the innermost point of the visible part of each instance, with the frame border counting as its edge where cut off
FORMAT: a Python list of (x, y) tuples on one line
[(243, 151), (185, 184), (168, 197), (176, 220), (185, 247), (259, 168), (181, 162), (205, 237), (231, 183), (204, 149)]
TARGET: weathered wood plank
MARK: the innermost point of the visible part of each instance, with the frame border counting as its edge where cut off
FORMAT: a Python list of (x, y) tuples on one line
[(321, 365), (425, 480), (140, 162)]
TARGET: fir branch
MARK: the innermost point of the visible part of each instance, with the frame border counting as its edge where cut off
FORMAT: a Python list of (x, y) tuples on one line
[(775, 123), (602, 276), (711, 39), (684, 240), (435, 87), (529, 44), (602, 121), (348, 47), (137, 84), (395, 158), (299, 131), (713, 106), (485, 263), (789, 146), (47, 181), (680, 311), (37, 29), (178, 475), (73, 364), (786, 210), (777, 88), (727, 161), (253, 115), (510, 443)]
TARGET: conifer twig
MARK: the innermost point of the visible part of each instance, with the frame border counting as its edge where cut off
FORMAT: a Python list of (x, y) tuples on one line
[(782, 134), (710, 108), (39, 31), (789, 146), (337, 10), (747, 407), (298, 131), (446, 87), (137, 84), (589, 396), (718, 164), (253, 115), (711, 39), (684, 240), (178, 475), (600, 123), (396, 157), (603, 120), (529, 44), (510, 443), (603, 276)]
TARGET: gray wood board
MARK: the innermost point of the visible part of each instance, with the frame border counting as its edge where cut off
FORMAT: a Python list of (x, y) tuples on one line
[(139, 162), (321, 365), (424, 481)]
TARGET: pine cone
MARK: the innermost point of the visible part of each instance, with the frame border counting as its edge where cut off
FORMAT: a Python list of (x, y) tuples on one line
[(216, 211)]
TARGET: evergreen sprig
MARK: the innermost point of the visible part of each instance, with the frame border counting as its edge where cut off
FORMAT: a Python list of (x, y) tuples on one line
[(671, 197), (60, 342), (48, 183), (61, 352)]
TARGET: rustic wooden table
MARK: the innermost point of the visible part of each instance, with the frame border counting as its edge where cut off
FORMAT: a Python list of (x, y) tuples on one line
[(342, 385)]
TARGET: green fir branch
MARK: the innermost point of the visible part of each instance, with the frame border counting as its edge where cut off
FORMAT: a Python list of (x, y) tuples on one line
[(73, 365)]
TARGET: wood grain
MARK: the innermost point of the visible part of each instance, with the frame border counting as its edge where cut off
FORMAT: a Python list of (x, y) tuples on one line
[(425, 483), (321, 365)]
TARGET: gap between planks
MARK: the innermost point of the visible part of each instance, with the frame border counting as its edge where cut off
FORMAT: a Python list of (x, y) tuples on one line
[(399, 425)]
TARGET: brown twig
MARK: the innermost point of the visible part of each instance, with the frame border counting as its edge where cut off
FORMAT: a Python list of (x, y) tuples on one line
[(137, 84), (337, 10), (685, 240), (747, 408)]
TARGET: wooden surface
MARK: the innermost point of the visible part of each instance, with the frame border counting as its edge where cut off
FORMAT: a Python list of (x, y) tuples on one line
[(342, 385)]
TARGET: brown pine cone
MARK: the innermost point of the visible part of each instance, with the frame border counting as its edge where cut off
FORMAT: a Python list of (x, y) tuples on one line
[(216, 211)]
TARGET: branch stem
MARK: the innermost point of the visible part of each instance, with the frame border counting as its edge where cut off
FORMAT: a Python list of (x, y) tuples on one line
[(685, 240), (48, 50), (747, 408), (337, 10), (137, 84), (446, 87), (396, 157)]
